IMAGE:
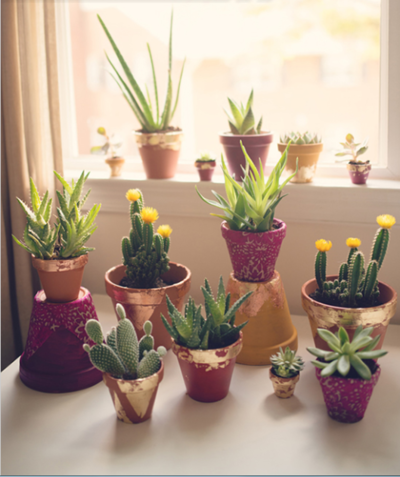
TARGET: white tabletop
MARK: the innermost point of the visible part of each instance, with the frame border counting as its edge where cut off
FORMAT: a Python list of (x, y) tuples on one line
[(251, 431)]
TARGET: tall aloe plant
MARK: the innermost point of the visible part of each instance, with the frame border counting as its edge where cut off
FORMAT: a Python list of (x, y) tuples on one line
[(150, 120)]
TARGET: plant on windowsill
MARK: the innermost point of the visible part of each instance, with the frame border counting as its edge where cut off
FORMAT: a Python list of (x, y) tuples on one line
[(205, 165), (243, 129), (306, 147), (159, 143), (347, 371), (132, 369), (285, 372), (58, 252), (147, 275), (110, 150), (206, 348), (358, 169), (355, 296)]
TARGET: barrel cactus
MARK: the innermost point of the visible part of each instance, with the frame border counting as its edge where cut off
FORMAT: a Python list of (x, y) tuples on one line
[(122, 355)]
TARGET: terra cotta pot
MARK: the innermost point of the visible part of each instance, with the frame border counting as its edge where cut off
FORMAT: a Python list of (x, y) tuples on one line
[(359, 172), (283, 387), (115, 164), (307, 154)]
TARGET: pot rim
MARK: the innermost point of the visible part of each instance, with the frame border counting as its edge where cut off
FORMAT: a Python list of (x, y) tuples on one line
[(140, 380), (342, 378), (136, 132), (282, 225), (115, 158), (300, 145), (230, 134), (57, 265)]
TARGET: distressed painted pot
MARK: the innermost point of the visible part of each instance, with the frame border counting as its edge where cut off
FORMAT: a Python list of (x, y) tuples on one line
[(254, 254), (159, 152), (61, 279), (134, 400), (332, 318), (205, 170), (269, 324), (115, 164), (142, 304), (308, 155), (283, 387), (359, 172), (207, 373), (256, 145), (347, 399)]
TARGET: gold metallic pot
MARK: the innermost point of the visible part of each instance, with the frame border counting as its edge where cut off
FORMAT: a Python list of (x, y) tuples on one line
[(307, 154), (115, 164), (331, 318), (283, 387)]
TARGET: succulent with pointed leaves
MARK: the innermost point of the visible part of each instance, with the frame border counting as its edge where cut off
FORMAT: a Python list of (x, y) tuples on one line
[(241, 119), (286, 364), (300, 139)]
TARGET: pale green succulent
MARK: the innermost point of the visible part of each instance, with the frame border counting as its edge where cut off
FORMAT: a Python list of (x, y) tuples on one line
[(300, 139), (286, 364), (241, 119)]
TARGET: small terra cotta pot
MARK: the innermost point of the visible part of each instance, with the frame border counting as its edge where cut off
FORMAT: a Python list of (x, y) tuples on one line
[(205, 170), (207, 373), (142, 304), (347, 399), (332, 318), (61, 279), (115, 164), (359, 172), (254, 254), (134, 400), (256, 145), (308, 155), (159, 152), (283, 387)]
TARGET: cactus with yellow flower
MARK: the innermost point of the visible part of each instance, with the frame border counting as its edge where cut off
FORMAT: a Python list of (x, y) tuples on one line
[(355, 287), (144, 251)]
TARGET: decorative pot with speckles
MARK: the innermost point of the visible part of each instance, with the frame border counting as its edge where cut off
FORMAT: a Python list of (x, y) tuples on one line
[(283, 387), (308, 155), (205, 169), (134, 400), (207, 373), (359, 172), (332, 318)]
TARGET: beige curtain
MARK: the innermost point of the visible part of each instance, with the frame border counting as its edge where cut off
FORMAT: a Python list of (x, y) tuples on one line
[(31, 147)]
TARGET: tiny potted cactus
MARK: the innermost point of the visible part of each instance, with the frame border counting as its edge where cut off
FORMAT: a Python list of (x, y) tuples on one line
[(58, 252), (206, 348), (243, 129), (132, 369), (347, 372), (110, 150), (147, 275), (306, 148), (355, 296), (285, 372), (358, 169), (205, 165)]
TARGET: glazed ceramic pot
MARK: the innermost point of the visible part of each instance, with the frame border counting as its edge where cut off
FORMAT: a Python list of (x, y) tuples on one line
[(205, 170), (61, 279), (332, 318), (307, 154), (115, 164), (134, 400), (269, 324), (283, 387), (347, 399), (358, 172), (142, 304), (256, 145), (207, 373), (159, 152), (254, 254)]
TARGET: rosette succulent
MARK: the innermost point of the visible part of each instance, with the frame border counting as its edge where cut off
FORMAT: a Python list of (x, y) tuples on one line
[(286, 364)]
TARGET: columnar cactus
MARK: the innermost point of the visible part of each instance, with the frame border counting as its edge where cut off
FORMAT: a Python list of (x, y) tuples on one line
[(122, 355), (144, 252)]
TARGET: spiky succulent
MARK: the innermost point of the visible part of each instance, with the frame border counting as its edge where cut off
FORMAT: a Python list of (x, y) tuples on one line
[(241, 119), (218, 330), (347, 354), (206, 157), (300, 139), (352, 149), (122, 355), (286, 364)]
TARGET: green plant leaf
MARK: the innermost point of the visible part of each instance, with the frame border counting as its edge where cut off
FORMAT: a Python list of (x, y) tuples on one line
[(361, 368), (178, 90), (344, 365), (237, 115)]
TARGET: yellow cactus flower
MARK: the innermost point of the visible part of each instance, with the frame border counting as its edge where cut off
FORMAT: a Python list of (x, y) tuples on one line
[(133, 195), (353, 242), (149, 215), (386, 221), (164, 230), (323, 245)]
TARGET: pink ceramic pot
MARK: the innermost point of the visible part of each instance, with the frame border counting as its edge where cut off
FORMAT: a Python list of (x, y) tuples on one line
[(254, 254), (347, 399), (205, 170), (359, 172)]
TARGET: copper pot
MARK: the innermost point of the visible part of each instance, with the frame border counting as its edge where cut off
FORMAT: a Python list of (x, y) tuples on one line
[(283, 387)]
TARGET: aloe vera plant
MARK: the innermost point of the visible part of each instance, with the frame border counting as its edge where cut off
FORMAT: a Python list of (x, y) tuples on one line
[(241, 119), (151, 119)]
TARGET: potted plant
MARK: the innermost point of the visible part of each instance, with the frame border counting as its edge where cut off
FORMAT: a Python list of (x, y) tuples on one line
[(147, 275), (347, 372), (109, 149), (206, 348), (205, 165), (285, 372), (132, 369), (159, 143), (306, 147), (243, 129), (358, 169), (58, 252), (355, 296)]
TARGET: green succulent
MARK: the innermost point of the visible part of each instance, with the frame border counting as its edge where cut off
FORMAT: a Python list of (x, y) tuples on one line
[(206, 157), (347, 354), (241, 119), (300, 139), (352, 149), (286, 364)]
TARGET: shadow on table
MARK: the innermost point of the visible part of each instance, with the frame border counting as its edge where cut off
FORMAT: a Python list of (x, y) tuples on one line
[(278, 408)]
